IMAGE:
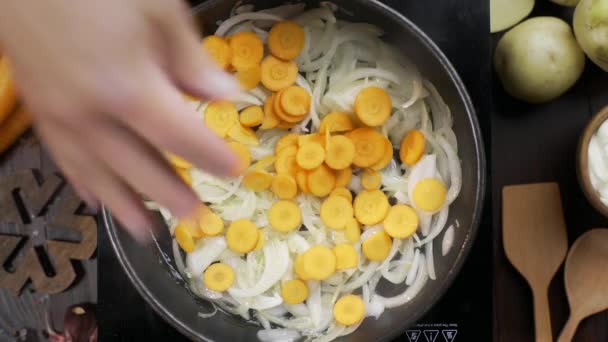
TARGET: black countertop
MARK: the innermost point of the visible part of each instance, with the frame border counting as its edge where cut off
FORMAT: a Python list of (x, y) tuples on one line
[(460, 28)]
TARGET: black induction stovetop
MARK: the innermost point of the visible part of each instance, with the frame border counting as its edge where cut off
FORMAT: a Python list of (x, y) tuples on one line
[(461, 29)]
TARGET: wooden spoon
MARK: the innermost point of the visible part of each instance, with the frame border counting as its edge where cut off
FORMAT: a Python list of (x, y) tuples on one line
[(535, 241), (586, 279)]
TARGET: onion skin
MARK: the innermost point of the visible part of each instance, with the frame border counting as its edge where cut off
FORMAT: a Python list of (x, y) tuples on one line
[(80, 325), (591, 30)]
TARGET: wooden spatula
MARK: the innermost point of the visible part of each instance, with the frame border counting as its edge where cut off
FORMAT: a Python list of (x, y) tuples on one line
[(535, 241), (586, 279)]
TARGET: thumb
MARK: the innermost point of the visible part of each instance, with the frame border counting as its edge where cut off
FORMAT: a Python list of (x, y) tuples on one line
[(191, 67)]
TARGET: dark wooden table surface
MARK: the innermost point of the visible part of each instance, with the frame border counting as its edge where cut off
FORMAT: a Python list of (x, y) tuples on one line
[(538, 144)]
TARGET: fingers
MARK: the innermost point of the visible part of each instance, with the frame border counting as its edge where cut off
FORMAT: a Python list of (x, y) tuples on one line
[(162, 117), (82, 167), (141, 166), (190, 66)]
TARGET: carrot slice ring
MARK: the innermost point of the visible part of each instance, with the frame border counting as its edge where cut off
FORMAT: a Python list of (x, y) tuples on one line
[(247, 50), (290, 139), (219, 50), (336, 122), (369, 146), (271, 120), (220, 116), (412, 147), (249, 78), (277, 74), (321, 181), (295, 101), (386, 157), (280, 112), (373, 106), (286, 40), (310, 156), (340, 152), (251, 116)]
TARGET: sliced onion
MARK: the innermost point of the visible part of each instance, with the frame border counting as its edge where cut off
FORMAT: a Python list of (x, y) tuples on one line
[(455, 170), (437, 228), (356, 283), (276, 258), (448, 241), (411, 276), (230, 22), (204, 254), (278, 335), (410, 292), (430, 260)]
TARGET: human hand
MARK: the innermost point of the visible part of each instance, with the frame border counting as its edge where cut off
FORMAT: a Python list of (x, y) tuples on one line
[(104, 81)]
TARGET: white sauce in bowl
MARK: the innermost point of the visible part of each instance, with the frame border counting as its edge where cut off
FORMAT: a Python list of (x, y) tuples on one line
[(598, 162)]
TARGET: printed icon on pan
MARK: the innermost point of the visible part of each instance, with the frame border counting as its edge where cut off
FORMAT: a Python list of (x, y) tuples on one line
[(413, 335), (449, 335), (431, 335)]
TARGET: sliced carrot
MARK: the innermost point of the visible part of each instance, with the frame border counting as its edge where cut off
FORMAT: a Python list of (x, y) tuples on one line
[(343, 192), (312, 137), (321, 181), (346, 256), (286, 40), (220, 116), (286, 125), (219, 277), (352, 230), (373, 106), (242, 236), (349, 310), (265, 162), (295, 101), (242, 152), (271, 120), (184, 175), (8, 92), (14, 126), (285, 216), (294, 291), (386, 157), (369, 146), (378, 246), (251, 116), (336, 211), (178, 161), (310, 155), (412, 147), (286, 161), (343, 177), (219, 50), (210, 223), (401, 221), (289, 139), (281, 113), (370, 207), (249, 78), (319, 262), (247, 50), (257, 180), (284, 186), (277, 74), (243, 135), (340, 152), (371, 179), (302, 180), (336, 122)]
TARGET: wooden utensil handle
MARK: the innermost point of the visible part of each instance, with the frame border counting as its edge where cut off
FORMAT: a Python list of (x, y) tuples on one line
[(542, 318), (569, 329)]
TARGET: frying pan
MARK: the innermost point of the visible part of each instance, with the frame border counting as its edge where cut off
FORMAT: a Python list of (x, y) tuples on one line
[(153, 273)]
